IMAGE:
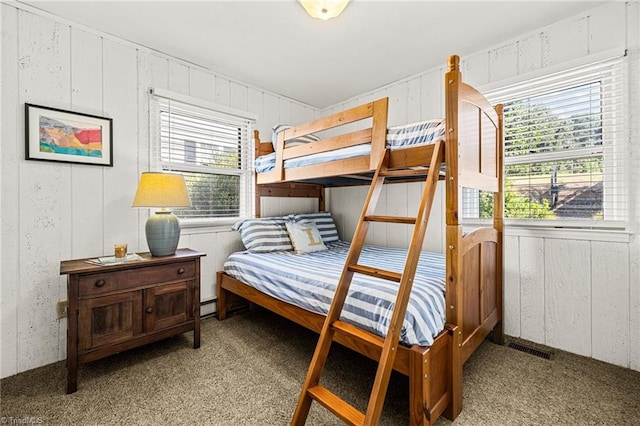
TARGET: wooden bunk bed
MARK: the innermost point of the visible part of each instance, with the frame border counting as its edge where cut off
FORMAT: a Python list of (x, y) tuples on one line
[(473, 159)]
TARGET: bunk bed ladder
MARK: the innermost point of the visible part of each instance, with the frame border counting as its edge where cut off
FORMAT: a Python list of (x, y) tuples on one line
[(312, 390)]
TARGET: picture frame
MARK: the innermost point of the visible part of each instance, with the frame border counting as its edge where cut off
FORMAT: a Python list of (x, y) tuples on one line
[(53, 134)]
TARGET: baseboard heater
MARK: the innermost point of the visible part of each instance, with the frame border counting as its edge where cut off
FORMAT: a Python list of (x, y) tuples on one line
[(208, 302)]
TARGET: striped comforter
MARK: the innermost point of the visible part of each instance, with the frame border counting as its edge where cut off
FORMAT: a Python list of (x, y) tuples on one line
[(309, 281)]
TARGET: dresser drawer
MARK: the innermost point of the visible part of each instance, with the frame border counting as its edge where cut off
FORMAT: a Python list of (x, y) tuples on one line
[(104, 282)]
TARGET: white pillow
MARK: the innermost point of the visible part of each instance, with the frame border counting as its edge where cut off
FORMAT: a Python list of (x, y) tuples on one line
[(305, 236)]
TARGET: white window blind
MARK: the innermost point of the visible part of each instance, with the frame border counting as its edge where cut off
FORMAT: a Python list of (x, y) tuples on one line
[(211, 149), (565, 152)]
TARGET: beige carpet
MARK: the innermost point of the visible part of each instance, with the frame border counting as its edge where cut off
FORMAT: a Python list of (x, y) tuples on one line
[(250, 368)]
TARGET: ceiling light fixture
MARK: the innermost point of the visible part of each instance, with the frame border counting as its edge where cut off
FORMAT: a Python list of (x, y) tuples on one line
[(324, 9)]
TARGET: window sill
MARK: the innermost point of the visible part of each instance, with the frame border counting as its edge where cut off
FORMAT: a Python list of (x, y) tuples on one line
[(559, 231), (607, 235), (202, 226)]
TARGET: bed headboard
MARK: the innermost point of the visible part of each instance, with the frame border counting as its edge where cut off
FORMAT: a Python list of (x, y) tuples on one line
[(299, 190), (261, 148), (473, 141), (285, 189)]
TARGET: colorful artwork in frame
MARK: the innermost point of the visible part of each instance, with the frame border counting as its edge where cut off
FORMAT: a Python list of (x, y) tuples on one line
[(69, 137)]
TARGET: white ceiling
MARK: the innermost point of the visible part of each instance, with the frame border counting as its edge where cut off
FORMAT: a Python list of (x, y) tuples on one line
[(275, 45)]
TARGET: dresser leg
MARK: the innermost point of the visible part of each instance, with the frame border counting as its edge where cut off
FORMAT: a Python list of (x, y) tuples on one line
[(196, 333), (72, 334), (72, 374)]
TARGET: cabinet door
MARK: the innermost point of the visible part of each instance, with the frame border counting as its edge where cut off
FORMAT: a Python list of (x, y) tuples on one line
[(107, 320), (168, 305)]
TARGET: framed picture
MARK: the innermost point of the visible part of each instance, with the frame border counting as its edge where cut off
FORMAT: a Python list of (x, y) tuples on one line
[(69, 137)]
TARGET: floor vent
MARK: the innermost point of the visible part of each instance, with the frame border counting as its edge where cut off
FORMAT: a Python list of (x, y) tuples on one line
[(522, 348)]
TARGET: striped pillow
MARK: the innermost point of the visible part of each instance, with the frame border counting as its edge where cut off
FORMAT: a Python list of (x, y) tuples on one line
[(422, 132), (325, 223), (264, 235), (292, 142)]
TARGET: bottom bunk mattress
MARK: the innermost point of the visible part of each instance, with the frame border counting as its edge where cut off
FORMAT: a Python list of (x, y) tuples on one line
[(309, 281)]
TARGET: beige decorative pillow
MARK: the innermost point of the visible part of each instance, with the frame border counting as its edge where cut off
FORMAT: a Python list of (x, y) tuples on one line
[(305, 236)]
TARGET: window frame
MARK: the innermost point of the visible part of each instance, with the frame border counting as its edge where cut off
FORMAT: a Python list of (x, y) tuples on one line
[(245, 173), (621, 147)]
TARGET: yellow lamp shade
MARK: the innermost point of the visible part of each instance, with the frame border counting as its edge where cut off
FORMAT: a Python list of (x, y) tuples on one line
[(161, 190)]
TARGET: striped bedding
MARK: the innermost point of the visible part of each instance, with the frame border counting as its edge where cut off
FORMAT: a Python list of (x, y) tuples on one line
[(309, 281), (423, 132)]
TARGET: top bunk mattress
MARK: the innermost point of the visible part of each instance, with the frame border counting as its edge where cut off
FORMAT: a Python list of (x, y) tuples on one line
[(398, 137), (309, 281)]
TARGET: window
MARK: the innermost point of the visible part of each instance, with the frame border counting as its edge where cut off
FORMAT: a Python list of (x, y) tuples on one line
[(564, 153), (211, 149)]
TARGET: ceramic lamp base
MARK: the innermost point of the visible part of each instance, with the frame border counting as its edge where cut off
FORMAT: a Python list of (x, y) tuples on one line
[(163, 233)]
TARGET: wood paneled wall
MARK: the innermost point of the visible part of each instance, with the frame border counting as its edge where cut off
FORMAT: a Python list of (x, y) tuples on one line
[(576, 291), (54, 211)]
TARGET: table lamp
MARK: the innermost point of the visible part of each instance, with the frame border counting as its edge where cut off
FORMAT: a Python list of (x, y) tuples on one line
[(162, 228)]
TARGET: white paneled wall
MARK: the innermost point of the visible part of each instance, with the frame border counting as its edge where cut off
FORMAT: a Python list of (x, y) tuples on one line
[(570, 294), (54, 211), (576, 291), (571, 291), (281, 206), (395, 200)]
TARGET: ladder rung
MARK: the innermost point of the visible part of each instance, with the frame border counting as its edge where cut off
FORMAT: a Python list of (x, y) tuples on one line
[(352, 330), (374, 272), (391, 219), (342, 409), (405, 172)]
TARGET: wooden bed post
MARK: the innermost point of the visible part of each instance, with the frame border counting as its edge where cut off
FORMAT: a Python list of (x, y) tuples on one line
[(258, 153), (221, 304), (454, 228), (279, 167), (379, 135), (454, 291), (419, 387)]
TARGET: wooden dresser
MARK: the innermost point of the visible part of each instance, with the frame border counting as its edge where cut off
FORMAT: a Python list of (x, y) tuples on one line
[(117, 307)]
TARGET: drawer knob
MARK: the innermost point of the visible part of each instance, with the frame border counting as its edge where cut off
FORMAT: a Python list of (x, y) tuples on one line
[(150, 310), (181, 271), (100, 283)]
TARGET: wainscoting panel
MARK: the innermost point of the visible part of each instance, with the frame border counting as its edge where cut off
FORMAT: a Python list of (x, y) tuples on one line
[(610, 307), (567, 292)]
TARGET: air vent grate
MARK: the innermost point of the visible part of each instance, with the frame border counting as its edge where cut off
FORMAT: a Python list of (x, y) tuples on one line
[(523, 348)]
